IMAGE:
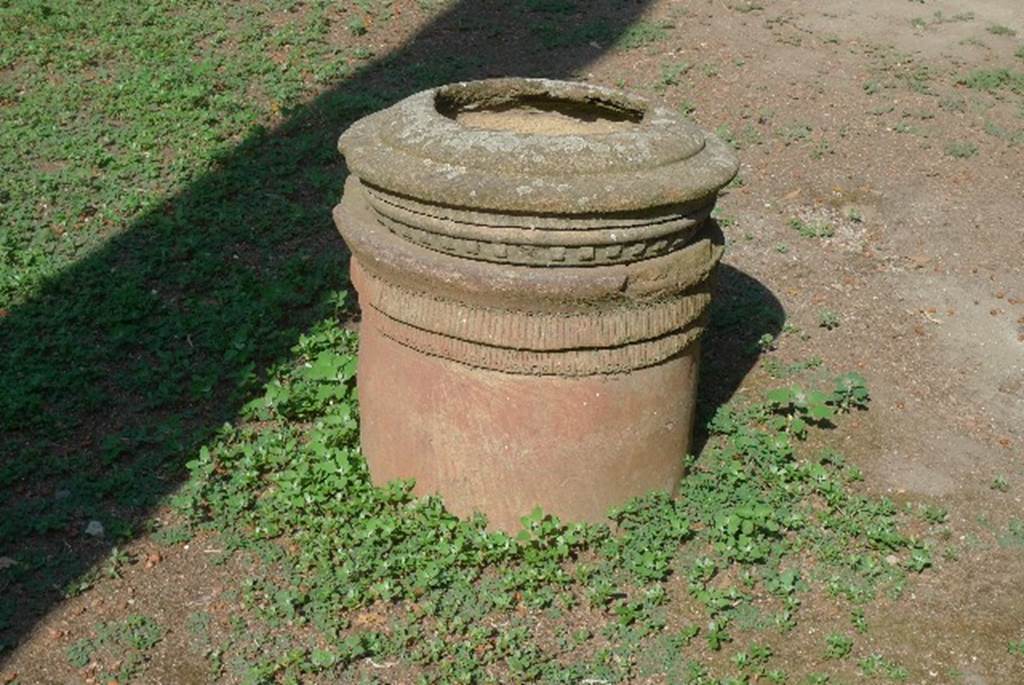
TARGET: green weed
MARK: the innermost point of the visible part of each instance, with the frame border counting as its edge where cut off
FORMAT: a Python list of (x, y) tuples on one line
[(746, 7), (1014, 535), (993, 80), (777, 370), (795, 132), (356, 26), (80, 653), (877, 665), (555, 35), (812, 229), (938, 17), (1000, 30), (643, 33), (128, 640), (872, 87), (821, 148), (828, 319), (726, 135), (838, 646), (934, 515), (858, 620), (953, 103), (961, 150), (671, 74), (767, 343)]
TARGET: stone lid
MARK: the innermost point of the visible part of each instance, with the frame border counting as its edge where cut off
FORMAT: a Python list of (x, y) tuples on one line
[(536, 146)]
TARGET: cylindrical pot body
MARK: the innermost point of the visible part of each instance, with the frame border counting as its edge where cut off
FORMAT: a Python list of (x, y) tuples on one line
[(534, 261)]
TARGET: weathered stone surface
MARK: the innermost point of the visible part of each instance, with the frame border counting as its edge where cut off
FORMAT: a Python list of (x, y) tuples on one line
[(418, 148), (533, 260)]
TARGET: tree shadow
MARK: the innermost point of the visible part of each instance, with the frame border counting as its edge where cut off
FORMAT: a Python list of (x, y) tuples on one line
[(132, 357)]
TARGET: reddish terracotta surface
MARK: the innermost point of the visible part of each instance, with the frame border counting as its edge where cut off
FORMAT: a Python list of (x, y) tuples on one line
[(504, 443)]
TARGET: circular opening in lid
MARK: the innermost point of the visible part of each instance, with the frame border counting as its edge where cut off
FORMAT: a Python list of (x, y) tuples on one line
[(526, 107)]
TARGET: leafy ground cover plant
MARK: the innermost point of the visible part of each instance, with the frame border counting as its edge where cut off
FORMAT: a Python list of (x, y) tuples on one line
[(756, 527), (166, 238), (130, 639), (812, 229)]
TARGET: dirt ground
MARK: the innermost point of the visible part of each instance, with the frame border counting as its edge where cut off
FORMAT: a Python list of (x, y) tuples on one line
[(848, 113), (929, 286)]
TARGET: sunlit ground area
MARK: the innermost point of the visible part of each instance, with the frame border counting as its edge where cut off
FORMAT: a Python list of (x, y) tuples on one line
[(182, 499)]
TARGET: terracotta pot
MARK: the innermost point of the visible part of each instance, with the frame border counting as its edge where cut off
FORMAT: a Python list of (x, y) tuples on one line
[(534, 262)]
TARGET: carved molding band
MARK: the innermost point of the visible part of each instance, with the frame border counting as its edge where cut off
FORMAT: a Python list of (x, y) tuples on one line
[(538, 240)]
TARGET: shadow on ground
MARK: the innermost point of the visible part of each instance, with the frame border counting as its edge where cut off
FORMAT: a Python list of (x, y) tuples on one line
[(743, 310), (131, 358)]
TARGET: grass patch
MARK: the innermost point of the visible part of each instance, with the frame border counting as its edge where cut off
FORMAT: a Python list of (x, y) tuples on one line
[(992, 80), (796, 132), (120, 643), (356, 26), (161, 240), (671, 75), (1000, 30), (877, 665), (939, 17), (746, 7), (556, 35), (838, 646), (812, 229), (961, 149), (997, 131), (953, 103), (828, 319), (643, 33)]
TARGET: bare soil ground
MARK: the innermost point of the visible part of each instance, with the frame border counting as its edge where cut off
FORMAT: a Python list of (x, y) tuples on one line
[(849, 113)]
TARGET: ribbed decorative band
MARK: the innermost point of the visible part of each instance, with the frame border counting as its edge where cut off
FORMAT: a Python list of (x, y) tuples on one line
[(566, 240), (577, 362), (610, 325)]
